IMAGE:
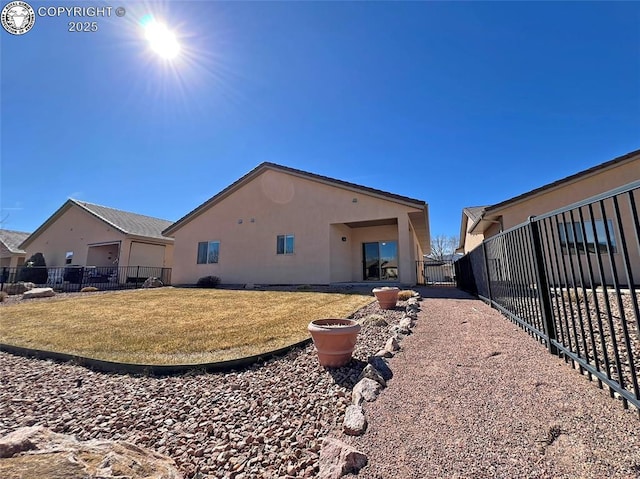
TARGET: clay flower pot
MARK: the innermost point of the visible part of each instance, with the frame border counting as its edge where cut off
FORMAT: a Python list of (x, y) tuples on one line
[(335, 340), (387, 297)]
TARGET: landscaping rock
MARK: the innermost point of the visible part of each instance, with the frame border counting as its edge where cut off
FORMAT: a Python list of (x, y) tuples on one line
[(18, 441), (372, 373), (398, 331), (38, 452), (406, 322), (384, 353), (392, 345), (355, 422), (152, 283), (38, 293), (366, 390), (381, 366), (338, 459), (17, 288), (411, 314)]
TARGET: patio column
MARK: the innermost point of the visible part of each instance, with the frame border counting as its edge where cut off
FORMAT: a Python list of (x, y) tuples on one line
[(405, 264)]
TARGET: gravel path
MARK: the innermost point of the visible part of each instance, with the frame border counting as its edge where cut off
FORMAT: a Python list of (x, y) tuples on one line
[(264, 422), (474, 396)]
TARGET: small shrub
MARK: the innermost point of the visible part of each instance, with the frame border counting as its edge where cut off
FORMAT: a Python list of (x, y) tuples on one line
[(405, 294), (89, 289), (3, 296), (374, 320), (304, 287), (208, 282), (34, 270)]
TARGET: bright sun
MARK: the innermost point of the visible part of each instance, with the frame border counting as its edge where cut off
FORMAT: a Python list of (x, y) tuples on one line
[(161, 39)]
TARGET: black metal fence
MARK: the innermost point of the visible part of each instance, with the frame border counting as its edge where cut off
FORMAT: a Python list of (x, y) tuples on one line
[(74, 278), (570, 278), (436, 273)]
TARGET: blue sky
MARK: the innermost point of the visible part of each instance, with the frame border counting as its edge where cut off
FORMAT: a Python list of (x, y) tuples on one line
[(458, 104)]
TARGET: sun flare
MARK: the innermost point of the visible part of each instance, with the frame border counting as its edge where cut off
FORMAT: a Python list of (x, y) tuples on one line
[(161, 39)]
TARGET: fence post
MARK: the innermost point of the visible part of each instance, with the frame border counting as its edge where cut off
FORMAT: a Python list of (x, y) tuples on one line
[(486, 269), (542, 285)]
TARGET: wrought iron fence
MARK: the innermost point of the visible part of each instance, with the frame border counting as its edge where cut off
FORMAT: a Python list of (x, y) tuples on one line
[(571, 279), (74, 278)]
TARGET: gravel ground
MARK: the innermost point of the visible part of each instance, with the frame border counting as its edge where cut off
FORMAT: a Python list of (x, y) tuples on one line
[(474, 396), (264, 422)]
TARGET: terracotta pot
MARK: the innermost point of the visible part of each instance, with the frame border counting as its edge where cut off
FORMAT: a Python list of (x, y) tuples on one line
[(335, 340), (387, 297)]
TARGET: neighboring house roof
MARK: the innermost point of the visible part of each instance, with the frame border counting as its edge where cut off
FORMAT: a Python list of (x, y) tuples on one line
[(292, 171), (492, 210), (12, 240), (470, 214), (126, 222)]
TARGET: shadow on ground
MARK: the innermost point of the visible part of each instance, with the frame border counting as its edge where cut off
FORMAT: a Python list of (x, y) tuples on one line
[(443, 292)]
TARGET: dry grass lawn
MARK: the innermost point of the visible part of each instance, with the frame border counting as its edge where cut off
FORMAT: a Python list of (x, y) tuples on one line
[(171, 326)]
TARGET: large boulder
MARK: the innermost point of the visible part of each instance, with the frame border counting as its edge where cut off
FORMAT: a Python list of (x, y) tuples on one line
[(38, 293), (17, 288), (338, 459), (152, 283), (36, 452)]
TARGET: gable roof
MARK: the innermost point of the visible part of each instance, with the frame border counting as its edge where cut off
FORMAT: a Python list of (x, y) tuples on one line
[(470, 214), (126, 222), (12, 240), (295, 172), (569, 179), (491, 210)]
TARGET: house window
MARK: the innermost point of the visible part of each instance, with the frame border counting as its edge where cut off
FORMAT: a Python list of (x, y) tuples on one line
[(571, 240), (68, 257), (285, 244), (208, 252)]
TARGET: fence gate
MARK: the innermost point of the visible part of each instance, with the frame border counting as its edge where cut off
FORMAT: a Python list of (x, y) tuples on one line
[(436, 273)]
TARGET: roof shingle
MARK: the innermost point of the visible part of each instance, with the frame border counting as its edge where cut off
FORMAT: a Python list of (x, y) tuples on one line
[(13, 239)]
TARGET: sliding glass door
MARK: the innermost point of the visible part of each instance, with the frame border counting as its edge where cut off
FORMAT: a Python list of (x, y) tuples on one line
[(380, 261)]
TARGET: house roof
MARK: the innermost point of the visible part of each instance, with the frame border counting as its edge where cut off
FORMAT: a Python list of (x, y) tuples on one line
[(493, 209), (126, 222), (12, 240), (563, 181), (292, 171)]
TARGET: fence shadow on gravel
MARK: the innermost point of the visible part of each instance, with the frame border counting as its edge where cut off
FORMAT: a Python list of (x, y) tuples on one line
[(570, 279)]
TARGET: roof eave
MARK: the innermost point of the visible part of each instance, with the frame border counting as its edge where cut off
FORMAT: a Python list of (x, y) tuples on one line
[(292, 171)]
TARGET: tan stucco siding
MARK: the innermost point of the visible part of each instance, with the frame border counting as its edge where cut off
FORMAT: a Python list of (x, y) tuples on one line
[(578, 190), (72, 231), (76, 230), (275, 203), (472, 241)]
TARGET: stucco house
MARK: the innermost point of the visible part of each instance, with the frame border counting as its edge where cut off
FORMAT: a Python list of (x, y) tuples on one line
[(482, 222), (11, 255), (280, 225), (85, 234)]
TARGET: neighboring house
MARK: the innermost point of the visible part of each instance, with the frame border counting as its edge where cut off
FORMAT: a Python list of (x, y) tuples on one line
[(469, 239), (11, 255), (81, 233), (479, 223), (279, 225)]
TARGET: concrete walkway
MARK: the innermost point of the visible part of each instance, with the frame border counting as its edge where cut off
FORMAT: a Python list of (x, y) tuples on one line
[(475, 396)]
